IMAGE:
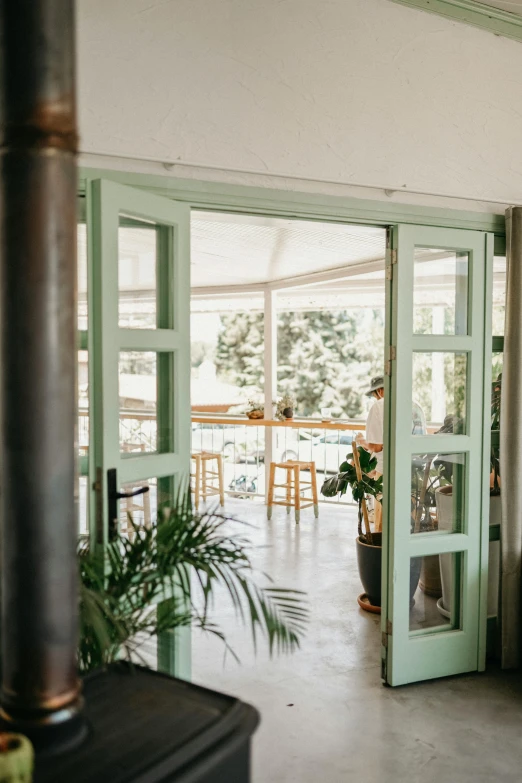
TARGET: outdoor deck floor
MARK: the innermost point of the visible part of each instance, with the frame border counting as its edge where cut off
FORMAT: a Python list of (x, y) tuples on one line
[(325, 714)]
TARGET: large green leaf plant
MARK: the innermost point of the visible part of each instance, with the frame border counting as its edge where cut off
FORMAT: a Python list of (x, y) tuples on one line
[(368, 486)]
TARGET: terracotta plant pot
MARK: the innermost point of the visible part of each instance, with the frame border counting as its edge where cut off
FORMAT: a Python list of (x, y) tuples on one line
[(429, 581)]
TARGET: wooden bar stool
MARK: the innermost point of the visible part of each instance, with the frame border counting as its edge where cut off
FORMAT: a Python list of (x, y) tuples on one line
[(205, 476), (293, 488)]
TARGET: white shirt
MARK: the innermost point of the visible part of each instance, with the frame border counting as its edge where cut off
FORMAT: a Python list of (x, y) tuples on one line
[(375, 430)]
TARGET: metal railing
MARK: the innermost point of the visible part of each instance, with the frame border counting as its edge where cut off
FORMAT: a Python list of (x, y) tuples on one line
[(242, 443)]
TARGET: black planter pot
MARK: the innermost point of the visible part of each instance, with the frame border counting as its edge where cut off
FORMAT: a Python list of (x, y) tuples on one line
[(369, 559), (288, 413)]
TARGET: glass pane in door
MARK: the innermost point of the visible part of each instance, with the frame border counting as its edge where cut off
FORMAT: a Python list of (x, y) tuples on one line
[(83, 403), (82, 276), (140, 508), (435, 593), (146, 397), (143, 508), (439, 384), (83, 506), (137, 274), (138, 389), (499, 295), (438, 493), (440, 291)]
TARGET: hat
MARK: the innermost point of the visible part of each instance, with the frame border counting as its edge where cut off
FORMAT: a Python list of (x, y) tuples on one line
[(377, 383)]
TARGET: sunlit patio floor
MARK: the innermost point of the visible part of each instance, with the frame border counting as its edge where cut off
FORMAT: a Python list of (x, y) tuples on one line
[(325, 714)]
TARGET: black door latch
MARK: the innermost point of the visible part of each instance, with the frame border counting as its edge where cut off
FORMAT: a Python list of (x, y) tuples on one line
[(113, 496)]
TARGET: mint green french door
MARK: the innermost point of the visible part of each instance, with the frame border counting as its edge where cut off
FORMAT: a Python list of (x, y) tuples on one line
[(435, 542), (140, 365)]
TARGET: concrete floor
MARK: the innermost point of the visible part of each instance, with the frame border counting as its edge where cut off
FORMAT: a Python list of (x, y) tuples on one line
[(325, 714)]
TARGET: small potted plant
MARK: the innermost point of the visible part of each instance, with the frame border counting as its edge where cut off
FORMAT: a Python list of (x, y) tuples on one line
[(285, 407), (255, 410)]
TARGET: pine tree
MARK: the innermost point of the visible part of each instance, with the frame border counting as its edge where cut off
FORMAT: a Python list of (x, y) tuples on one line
[(240, 349), (325, 359)]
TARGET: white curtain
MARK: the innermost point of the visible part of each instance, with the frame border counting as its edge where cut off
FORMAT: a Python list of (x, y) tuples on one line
[(511, 450)]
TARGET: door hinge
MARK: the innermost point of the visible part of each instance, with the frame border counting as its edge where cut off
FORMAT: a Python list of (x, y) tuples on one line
[(386, 633), (392, 355), (384, 657), (390, 265)]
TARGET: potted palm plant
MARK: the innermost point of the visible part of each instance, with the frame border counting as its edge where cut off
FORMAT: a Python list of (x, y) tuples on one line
[(185, 558)]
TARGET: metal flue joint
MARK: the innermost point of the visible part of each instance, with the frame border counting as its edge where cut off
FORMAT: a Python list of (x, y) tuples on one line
[(40, 685)]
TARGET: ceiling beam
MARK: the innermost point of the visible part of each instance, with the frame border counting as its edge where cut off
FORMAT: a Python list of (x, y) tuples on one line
[(314, 278)]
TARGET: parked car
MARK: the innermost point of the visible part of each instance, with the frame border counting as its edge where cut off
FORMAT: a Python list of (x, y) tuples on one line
[(236, 443), (327, 450)]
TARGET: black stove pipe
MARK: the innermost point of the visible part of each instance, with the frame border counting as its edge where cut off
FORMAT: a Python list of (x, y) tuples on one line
[(40, 689)]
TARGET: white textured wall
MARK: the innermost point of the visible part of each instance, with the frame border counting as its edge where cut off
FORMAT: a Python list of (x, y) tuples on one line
[(355, 91)]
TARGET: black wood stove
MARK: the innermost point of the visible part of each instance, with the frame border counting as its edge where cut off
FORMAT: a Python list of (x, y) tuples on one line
[(146, 727)]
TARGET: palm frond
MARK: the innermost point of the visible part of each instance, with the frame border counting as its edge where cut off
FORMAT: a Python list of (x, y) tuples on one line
[(141, 586)]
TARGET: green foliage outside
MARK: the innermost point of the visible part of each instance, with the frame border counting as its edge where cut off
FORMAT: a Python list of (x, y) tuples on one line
[(201, 351), (325, 359), (454, 370)]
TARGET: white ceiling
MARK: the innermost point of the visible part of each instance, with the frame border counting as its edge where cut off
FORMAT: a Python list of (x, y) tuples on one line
[(243, 249), (230, 250)]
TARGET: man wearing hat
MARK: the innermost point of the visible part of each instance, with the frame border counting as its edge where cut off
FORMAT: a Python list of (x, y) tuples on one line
[(375, 421), (375, 436), (375, 433)]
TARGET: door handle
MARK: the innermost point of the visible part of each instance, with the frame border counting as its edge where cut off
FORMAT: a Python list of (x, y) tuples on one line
[(113, 495)]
